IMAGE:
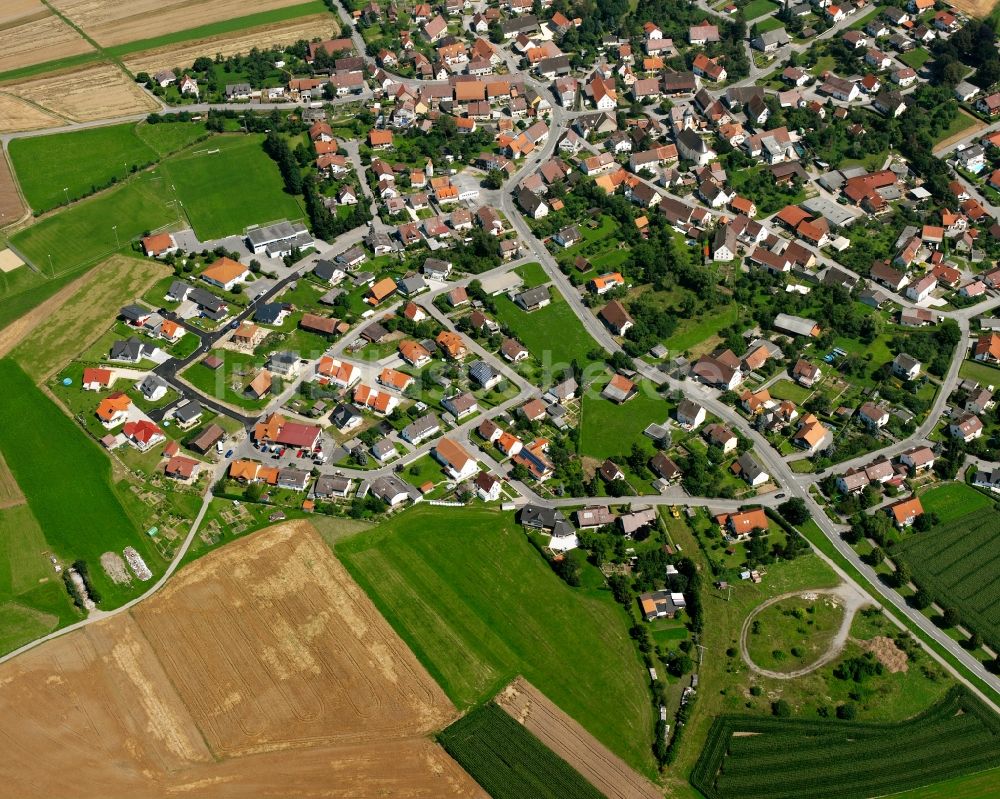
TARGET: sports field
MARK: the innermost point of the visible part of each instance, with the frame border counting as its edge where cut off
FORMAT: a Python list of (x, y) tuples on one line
[(86, 232), (67, 166), (67, 482), (229, 184), (959, 564), (478, 606)]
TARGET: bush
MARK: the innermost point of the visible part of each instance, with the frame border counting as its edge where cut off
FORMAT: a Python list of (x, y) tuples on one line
[(847, 711), (781, 709)]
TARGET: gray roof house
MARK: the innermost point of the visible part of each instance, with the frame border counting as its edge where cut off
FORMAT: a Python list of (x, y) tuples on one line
[(130, 351)]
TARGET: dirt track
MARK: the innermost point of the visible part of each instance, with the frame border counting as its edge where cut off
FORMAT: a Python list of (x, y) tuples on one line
[(853, 600), (262, 670), (605, 771)]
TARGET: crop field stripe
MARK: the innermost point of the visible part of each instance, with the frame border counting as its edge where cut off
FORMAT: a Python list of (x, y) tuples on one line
[(801, 759), (509, 761), (219, 28), (959, 563)]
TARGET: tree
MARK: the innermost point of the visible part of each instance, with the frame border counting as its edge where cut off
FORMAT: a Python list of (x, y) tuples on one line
[(921, 599), (950, 617), (781, 709), (795, 511), (847, 711), (974, 641)]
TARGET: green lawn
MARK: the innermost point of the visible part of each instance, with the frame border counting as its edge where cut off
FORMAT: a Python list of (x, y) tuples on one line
[(84, 234), (787, 390), (79, 162), (691, 332), (229, 186), (23, 289), (552, 334), (170, 137), (67, 482), (915, 58), (33, 601), (533, 275), (952, 501), (758, 8), (962, 121), (973, 786), (769, 24), (478, 606), (238, 369), (608, 429), (984, 373)]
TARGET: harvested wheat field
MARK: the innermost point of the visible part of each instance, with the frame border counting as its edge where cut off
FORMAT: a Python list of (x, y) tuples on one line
[(38, 38), (87, 315), (119, 23), (11, 206), (16, 115), (13, 12), (975, 8), (181, 55), (560, 733), (82, 95), (261, 670)]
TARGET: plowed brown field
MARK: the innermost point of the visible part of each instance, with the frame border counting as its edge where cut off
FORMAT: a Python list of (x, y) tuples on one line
[(282, 33), (261, 670), (110, 23), (560, 733)]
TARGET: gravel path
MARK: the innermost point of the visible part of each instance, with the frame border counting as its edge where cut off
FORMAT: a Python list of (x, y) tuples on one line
[(853, 600)]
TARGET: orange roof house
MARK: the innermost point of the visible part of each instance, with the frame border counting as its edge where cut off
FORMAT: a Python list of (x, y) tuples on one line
[(158, 244), (905, 512), (452, 344), (95, 378), (394, 379), (261, 384), (225, 273), (811, 432), (244, 471), (113, 407), (746, 522), (413, 353), (384, 288), (380, 138)]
